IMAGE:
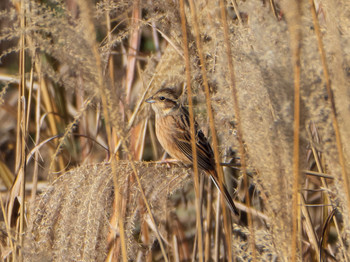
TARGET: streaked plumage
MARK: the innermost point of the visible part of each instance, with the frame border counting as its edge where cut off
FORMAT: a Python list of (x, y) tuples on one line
[(173, 133)]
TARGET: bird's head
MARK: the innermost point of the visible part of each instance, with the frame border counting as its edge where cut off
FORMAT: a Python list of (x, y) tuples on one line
[(164, 101)]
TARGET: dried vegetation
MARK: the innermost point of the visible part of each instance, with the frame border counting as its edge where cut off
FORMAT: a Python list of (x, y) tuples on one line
[(74, 76)]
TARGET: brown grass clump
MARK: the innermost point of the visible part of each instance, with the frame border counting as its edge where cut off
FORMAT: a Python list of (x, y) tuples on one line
[(76, 136)]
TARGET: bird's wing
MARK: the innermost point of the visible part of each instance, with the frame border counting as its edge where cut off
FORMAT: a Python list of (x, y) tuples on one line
[(205, 154)]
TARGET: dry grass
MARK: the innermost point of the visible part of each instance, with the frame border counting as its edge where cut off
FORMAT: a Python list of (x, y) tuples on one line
[(76, 137)]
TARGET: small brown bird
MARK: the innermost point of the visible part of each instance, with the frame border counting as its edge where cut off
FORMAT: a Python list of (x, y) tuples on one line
[(173, 133)]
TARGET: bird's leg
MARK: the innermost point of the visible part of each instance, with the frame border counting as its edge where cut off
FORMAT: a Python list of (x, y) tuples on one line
[(167, 161)]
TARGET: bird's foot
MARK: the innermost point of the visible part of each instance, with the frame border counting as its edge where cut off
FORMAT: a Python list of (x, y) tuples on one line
[(168, 161)]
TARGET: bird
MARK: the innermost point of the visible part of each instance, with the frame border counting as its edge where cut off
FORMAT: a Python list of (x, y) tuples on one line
[(173, 133)]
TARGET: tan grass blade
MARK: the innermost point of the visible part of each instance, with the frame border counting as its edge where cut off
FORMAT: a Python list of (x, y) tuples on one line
[(31, 85), (153, 140), (138, 134), (8, 229), (6, 175), (37, 135), (176, 249), (83, 130)]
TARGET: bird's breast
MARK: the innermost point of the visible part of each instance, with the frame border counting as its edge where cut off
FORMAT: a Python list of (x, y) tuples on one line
[(168, 131)]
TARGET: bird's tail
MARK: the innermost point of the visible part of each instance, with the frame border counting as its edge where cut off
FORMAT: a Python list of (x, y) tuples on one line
[(225, 193)]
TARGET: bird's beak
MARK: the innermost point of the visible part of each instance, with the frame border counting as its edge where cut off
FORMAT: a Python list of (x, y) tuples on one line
[(150, 100)]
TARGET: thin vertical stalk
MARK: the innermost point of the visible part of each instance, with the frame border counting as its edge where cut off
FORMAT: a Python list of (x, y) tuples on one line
[(227, 226), (332, 103), (30, 94), (207, 249), (22, 129), (110, 65), (239, 126), (296, 149), (8, 230), (37, 135), (155, 36), (217, 232), (273, 7), (193, 136), (22, 178), (117, 217), (295, 35)]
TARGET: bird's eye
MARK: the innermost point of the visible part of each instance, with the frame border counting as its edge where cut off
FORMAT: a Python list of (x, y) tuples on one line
[(162, 98)]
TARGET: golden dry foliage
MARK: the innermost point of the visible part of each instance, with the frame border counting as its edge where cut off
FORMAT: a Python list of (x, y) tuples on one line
[(74, 76)]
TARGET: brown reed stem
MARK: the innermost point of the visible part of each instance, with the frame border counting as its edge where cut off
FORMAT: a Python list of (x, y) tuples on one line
[(193, 135), (295, 34), (239, 126), (207, 242), (22, 128), (227, 226)]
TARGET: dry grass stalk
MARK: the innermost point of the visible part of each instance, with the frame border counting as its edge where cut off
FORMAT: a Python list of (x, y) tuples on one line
[(193, 139), (293, 15), (211, 122), (239, 124)]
